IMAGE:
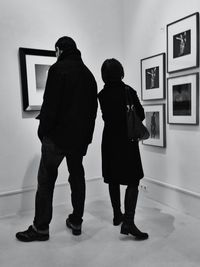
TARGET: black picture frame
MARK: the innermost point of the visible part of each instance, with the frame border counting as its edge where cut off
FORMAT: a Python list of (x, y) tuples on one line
[(183, 43), (153, 77), (183, 99), (156, 125), (34, 65)]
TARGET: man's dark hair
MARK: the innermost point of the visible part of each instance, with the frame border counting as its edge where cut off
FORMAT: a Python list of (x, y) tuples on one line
[(65, 43), (112, 70)]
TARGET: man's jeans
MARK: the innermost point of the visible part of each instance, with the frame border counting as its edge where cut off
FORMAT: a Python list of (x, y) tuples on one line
[(51, 158)]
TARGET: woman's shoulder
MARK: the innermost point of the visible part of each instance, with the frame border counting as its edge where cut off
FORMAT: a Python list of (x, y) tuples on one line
[(131, 89)]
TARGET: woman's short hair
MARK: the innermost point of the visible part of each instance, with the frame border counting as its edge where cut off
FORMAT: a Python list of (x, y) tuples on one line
[(112, 70)]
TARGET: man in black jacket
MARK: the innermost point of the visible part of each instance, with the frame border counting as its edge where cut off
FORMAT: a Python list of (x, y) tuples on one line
[(67, 120)]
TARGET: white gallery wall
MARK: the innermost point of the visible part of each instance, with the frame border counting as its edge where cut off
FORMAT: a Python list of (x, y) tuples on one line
[(128, 30), (96, 26), (173, 173)]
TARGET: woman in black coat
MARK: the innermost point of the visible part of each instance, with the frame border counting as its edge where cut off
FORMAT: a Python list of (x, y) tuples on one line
[(121, 162)]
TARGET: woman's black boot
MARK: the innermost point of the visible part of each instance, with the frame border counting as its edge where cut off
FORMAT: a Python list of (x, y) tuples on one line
[(118, 219), (131, 228), (114, 191), (128, 226)]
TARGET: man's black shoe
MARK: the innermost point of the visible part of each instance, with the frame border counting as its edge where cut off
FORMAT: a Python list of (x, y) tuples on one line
[(76, 228), (31, 235)]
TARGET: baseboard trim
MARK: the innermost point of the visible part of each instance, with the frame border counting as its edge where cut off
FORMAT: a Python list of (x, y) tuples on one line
[(176, 197), (32, 188), (22, 200), (173, 187)]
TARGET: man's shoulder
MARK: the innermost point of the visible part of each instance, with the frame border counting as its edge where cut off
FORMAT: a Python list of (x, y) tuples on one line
[(57, 68), (53, 67)]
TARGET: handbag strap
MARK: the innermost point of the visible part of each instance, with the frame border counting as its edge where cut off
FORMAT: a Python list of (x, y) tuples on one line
[(129, 101)]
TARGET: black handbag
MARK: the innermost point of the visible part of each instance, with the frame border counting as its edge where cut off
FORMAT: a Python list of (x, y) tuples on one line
[(135, 128)]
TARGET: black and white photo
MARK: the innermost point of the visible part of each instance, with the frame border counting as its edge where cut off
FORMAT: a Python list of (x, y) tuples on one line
[(182, 99), (155, 123), (153, 77), (152, 123), (181, 94), (100, 133), (41, 72), (183, 43)]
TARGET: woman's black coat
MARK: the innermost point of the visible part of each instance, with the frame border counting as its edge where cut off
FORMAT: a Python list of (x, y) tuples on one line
[(69, 107), (121, 162)]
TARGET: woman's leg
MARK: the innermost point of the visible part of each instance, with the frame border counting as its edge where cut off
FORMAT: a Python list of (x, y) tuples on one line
[(130, 202), (114, 192)]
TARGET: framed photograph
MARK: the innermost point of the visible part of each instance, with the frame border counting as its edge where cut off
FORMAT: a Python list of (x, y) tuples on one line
[(155, 123), (153, 77), (183, 43), (183, 99), (34, 65)]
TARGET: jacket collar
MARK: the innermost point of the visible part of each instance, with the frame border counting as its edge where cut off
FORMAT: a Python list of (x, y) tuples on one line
[(114, 84), (73, 53)]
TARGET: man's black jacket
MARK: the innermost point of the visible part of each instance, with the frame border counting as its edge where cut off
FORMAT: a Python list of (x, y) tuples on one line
[(69, 106)]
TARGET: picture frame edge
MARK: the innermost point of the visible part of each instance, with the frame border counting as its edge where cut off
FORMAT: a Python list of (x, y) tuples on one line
[(163, 54), (22, 53), (197, 99), (164, 125), (197, 43)]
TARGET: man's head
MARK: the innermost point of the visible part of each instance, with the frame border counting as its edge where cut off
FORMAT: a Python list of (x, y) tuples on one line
[(64, 43)]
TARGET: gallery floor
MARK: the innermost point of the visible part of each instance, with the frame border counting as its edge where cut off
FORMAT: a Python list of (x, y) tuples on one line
[(174, 239)]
